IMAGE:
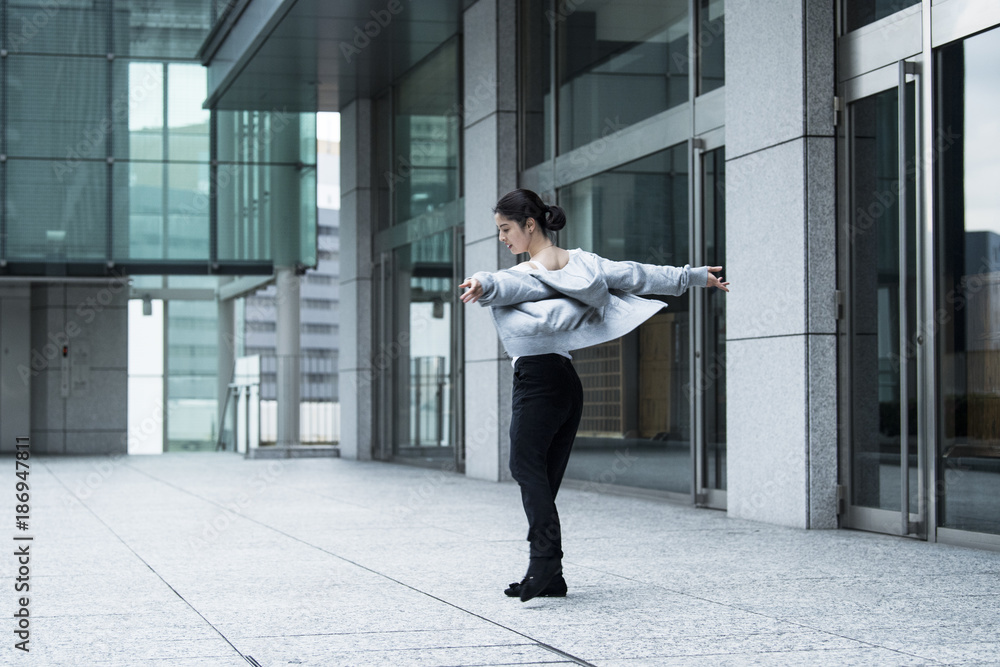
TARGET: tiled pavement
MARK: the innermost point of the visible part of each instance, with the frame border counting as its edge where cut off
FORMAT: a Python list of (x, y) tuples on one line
[(210, 559)]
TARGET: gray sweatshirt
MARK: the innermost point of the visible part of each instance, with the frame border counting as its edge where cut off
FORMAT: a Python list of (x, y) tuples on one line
[(589, 301)]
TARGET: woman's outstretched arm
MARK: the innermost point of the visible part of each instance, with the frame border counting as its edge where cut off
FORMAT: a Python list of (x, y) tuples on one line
[(505, 288), (638, 278)]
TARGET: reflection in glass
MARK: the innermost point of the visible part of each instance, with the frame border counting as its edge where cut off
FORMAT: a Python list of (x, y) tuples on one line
[(264, 179), (636, 425), (713, 382), (144, 140), (861, 13), (192, 367), (968, 228), (424, 173), (711, 45), (187, 122), (878, 404), (56, 221), (536, 96), (619, 63), (424, 293)]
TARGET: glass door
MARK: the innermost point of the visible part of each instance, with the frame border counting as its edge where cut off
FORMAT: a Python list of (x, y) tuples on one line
[(709, 378), (967, 288), (881, 351)]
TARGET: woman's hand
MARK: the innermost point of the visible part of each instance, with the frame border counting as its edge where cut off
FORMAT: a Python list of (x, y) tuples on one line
[(475, 290), (714, 281)]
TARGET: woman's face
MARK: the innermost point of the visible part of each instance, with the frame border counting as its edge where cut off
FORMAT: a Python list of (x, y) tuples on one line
[(513, 235)]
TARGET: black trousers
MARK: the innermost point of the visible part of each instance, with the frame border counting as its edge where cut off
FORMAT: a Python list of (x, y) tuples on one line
[(546, 407)]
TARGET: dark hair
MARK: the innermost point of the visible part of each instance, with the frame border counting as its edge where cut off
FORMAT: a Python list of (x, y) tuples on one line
[(519, 205)]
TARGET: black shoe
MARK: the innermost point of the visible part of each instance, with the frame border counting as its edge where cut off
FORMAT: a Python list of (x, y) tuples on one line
[(555, 589), (541, 571)]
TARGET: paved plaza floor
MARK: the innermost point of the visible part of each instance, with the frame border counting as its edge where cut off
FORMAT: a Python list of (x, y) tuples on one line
[(213, 560)]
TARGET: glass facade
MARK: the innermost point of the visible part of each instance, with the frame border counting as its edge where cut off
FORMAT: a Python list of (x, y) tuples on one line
[(425, 136), (712, 374), (711, 45), (860, 14), (883, 310), (636, 399), (417, 150), (968, 234), (424, 294), (919, 263), (614, 66), (535, 52), (264, 181), (618, 63), (192, 351), (109, 154)]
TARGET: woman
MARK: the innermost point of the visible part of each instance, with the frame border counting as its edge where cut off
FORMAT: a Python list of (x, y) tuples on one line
[(559, 300)]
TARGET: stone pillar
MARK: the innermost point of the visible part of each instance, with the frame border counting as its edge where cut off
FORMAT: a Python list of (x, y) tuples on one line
[(355, 362), (287, 353), (781, 240), (490, 170), (227, 352)]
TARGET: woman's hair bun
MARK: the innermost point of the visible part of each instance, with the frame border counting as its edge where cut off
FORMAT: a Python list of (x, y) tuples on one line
[(556, 218), (521, 204)]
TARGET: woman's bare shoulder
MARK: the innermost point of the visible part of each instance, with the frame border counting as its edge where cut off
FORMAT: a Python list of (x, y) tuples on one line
[(553, 259)]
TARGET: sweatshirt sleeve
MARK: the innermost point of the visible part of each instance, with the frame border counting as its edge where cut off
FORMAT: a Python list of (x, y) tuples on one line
[(639, 279), (506, 288)]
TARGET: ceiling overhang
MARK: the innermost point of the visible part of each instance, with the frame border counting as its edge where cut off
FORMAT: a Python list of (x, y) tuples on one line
[(319, 55)]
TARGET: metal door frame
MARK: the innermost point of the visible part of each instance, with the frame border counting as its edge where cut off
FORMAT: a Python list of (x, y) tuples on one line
[(908, 521), (703, 497)]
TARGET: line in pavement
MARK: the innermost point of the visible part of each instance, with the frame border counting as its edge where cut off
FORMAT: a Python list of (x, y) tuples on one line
[(541, 644)]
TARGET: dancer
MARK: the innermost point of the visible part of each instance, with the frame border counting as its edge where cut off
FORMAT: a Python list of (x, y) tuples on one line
[(559, 300)]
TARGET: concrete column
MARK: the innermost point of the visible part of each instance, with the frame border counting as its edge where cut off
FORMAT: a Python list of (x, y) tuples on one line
[(355, 361), (781, 240), (287, 353), (15, 365), (227, 351), (490, 170)]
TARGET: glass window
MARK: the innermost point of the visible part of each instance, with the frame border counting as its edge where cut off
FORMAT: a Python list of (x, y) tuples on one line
[(860, 14), (424, 172), (187, 122), (537, 22), (618, 63), (262, 176), (883, 305), (192, 367), (60, 218), (711, 45), (71, 27), (636, 425), (144, 139), (424, 295), (162, 29), (713, 382), (57, 108), (968, 229)]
